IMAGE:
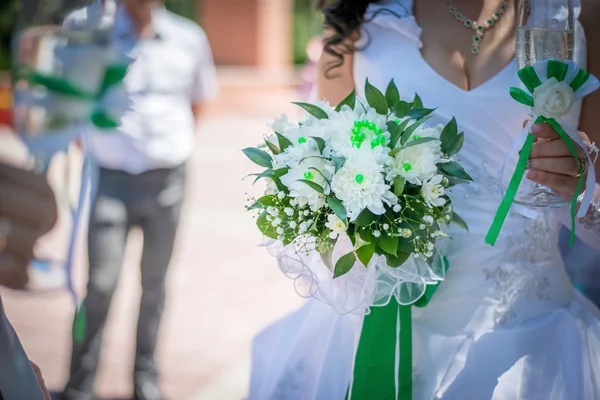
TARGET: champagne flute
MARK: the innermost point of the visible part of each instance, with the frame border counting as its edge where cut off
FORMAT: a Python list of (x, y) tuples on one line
[(545, 31), (57, 60)]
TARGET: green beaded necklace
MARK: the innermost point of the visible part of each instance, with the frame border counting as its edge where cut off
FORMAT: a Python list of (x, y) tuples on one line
[(476, 26)]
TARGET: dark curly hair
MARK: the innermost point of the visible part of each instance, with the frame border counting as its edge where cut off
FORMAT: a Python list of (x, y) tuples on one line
[(343, 19)]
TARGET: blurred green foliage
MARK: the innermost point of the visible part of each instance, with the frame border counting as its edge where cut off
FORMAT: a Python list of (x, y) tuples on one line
[(306, 24)]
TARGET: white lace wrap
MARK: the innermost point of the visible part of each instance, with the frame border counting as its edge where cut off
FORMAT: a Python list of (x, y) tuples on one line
[(361, 288)]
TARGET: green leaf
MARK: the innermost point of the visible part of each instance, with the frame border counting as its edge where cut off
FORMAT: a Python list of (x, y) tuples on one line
[(418, 113), (338, 208), (416, 142), (410, 130), (59, 86), (417, 102), (399, 183), (391, 126), (258, 157), (365, 218), (396, 261), (113, 76), (320, 143), (455, 144), (269, 200), (338, 162), (313, 185), (449, 131), (344, 265), (520, 96), (313, 110), (389, 244), (265, 226), (284, 142), (103, 121), (397, 134), (350, 101), (401, 108), (456, 219), (454, 169), (391, 93), (365, 253), (376, 99), (274, 149)]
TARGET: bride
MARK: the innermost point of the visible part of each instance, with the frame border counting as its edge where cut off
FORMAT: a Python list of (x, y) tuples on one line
[(506, 323)]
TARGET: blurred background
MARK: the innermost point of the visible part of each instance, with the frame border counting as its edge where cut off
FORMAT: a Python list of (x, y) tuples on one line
[(223, 288)]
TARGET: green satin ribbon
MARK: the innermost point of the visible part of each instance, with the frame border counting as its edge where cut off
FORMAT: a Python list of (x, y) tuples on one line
[(517, 177), (113, 75), (375, 363), (527, 75)]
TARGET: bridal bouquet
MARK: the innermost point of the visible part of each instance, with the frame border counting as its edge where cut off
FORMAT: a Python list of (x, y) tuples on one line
[(366, 169), (356, 202)]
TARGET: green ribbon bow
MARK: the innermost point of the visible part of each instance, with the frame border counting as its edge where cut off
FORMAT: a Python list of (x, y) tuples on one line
[(527, 75), (113, 75), (375, 374)]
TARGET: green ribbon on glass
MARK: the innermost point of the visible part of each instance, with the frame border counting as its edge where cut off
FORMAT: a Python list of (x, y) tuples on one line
[(387, 334), (581, 83), (113, 75)]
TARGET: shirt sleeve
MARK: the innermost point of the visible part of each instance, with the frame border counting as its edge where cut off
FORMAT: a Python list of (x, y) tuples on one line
[(205, 86)]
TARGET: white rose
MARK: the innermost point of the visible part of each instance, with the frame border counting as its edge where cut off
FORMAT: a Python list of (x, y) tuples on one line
[(553, 99)]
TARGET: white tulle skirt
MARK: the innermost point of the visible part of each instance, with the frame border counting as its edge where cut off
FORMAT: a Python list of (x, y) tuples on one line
[(556, 356)]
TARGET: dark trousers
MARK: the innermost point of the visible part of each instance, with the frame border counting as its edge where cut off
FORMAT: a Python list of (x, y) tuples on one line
[(151, 201)]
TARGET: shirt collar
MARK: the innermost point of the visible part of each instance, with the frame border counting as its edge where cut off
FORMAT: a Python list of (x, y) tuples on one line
[(124, 27)]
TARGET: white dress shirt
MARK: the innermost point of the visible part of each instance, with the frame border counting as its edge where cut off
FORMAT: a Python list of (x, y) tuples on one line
[(168, 73)]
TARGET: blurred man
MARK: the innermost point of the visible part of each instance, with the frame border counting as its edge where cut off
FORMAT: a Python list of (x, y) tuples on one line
[(142, 177)]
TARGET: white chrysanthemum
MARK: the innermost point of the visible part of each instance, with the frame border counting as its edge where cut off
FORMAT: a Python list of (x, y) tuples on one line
[(417, 163), (432, 192), (336, 225), (341, 130), (282, 124), (359, 184), (307, 165)]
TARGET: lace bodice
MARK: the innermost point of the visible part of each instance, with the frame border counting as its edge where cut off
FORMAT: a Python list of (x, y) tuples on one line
[(522, 275)]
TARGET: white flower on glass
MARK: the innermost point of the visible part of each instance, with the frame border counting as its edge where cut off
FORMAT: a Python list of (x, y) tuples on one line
[(432, 192), (376, 233), (428, 219), (279, 231), (271, 188), (553, 99), (336, 225), (397, 208), (417, 163), (293, 224), (288, 211), (360, 185)]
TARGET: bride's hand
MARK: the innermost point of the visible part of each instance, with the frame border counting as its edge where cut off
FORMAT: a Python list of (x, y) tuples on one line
[(551, 161)]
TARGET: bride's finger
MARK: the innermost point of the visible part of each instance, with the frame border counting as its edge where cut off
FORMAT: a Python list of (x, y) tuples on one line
[(562, 165), (544, 131), (551, 149), (562, 185)]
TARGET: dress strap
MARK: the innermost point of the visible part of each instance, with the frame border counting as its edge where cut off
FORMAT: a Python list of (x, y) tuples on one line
[(395, 15)]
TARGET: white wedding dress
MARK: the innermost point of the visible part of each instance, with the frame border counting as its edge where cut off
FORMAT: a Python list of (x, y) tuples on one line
[(506, 323)]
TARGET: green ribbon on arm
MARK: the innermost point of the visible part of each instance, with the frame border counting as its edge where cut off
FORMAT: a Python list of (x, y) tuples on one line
[(375, 374)]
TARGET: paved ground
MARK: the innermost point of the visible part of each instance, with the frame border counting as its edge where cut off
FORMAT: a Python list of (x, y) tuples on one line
[(223, 288)]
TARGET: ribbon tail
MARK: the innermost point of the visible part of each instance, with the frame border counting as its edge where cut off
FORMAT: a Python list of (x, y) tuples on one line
[(513, 187), (375, 363), (405, 373), (569, 136)]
